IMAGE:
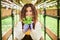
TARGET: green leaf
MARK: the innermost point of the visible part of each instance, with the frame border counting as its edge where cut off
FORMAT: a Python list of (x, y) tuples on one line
[(27, 20)]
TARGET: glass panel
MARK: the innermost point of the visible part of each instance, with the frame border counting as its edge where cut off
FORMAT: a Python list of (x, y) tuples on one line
[(41, 19), (16, 18), (6, 24), (51, 24), (47, 37), (51, 21)]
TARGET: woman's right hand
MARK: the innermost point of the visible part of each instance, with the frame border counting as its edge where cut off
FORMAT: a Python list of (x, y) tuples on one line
[(25, 27)]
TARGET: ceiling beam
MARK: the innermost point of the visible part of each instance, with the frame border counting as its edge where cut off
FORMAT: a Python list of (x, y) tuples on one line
[(38, 1), (17, 3)]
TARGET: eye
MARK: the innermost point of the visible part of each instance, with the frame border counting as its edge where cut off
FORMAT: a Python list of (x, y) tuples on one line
[(30, 10)]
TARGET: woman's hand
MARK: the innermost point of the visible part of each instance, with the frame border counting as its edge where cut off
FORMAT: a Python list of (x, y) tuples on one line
[(25, 27)]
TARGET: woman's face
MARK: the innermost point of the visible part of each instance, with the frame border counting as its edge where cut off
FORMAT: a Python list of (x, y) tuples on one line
[(29, 11)]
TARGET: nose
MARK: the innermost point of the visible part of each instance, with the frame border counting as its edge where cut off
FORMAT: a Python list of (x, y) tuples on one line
[(28, 14)]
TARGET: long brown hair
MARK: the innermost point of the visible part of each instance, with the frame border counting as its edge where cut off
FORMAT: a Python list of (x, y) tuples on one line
[(34, 12)]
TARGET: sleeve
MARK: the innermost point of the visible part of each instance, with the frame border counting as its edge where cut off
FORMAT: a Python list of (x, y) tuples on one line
[(17, 30), (38, 30)]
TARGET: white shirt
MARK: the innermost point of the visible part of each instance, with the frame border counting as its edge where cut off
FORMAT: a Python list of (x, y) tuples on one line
[(19, 34)]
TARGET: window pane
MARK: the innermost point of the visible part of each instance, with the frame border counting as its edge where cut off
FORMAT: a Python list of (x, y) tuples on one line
[(47, 37), (6, 24), (52, 24)]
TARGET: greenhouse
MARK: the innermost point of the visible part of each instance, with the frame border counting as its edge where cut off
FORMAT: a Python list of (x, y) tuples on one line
[(48, 15)]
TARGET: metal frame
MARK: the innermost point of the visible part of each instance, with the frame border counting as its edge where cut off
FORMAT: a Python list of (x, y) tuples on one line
[(12, 15), (44, 23), (0, 23), (58, 19)]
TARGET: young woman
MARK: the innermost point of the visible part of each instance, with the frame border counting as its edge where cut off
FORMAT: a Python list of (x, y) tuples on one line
[(34, 26)]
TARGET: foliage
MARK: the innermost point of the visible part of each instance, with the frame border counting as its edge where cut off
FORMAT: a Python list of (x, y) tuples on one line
[(27, 20)]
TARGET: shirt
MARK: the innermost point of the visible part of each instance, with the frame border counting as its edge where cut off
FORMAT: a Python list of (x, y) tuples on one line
[(18, 30)]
